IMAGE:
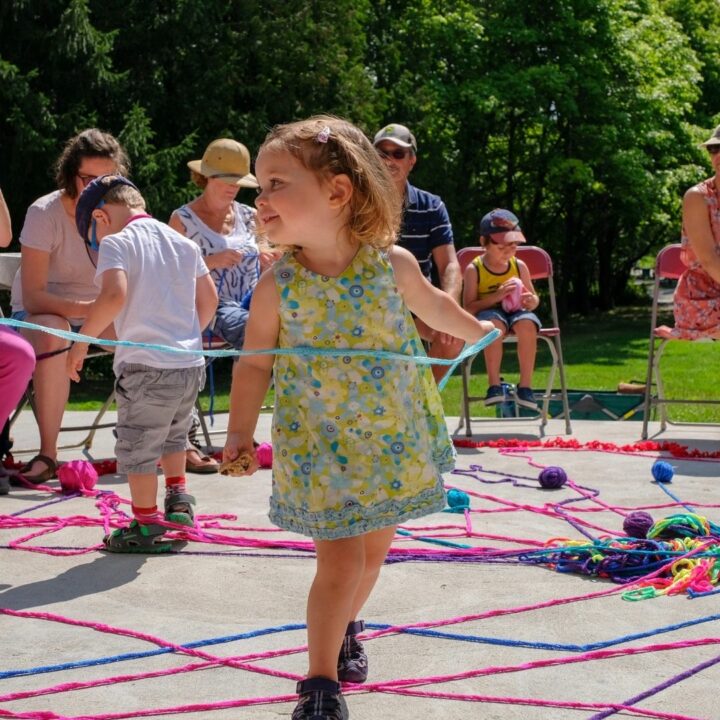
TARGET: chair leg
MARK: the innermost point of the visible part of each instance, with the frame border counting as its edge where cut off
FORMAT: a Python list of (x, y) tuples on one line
[(648, 404), (203, 424), (466, 367)]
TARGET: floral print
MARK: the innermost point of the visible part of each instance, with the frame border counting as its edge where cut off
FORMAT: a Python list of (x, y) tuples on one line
[(697, 296), (360, 440)]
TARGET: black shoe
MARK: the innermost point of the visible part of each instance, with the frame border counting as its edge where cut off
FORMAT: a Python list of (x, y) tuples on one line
[(352, 662), (524, 398), (494, 395), (320, 699)]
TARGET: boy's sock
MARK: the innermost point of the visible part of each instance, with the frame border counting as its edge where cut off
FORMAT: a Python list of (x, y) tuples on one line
[(145, 515), (175, 484)]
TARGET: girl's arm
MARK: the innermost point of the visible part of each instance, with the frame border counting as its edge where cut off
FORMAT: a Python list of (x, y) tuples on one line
[(432, 305), (251, 373), (699, 233), (530, 299)]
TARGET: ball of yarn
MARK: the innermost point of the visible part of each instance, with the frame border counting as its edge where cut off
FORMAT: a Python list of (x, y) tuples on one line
[(663, 472), (512, 302), (458, 500), (681, 525), (637, 524), (552, 478), (76, 476), (264, 455)]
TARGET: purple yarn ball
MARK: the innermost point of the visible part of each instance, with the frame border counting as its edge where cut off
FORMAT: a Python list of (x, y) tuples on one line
[(637, 524), (552, 478)]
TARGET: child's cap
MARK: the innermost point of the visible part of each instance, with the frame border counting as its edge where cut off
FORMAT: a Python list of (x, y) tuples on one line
[(227, 160), (92, 196), (502, 226), (397, 134)]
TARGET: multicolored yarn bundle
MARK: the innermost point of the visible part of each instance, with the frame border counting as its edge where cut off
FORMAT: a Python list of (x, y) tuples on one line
[(678, 554)]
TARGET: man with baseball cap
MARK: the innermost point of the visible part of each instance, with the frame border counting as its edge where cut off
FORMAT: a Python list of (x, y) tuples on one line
[(425, 231)]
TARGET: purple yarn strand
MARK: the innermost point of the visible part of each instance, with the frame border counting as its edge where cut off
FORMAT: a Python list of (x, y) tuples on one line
[(659, 688)]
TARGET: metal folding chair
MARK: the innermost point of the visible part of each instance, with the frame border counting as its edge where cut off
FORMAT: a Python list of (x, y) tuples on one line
[(540, 265), (668, 266), (96, 424)]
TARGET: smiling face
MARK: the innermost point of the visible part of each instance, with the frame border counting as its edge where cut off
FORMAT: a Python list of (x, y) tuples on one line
[(295, 206)]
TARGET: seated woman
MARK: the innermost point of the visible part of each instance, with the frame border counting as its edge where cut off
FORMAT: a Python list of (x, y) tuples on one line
[(225, 231), (55, 285), (697, 296)]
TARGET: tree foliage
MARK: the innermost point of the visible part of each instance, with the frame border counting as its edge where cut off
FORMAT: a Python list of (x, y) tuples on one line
[(582, 116)]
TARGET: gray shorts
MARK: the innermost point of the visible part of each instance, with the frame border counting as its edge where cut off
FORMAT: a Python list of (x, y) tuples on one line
[(154, 406)]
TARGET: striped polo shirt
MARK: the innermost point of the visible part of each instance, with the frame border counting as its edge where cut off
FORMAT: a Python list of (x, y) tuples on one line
[(425, 226)]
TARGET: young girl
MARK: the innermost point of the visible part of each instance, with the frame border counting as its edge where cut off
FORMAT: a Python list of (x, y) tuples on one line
[(497, 287), (359, 441)]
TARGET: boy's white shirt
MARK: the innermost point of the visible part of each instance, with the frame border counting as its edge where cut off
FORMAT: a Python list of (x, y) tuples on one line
[(162, 268)]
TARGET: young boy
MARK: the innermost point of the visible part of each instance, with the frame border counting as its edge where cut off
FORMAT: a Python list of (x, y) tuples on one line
[(497, 287), (156, 288)]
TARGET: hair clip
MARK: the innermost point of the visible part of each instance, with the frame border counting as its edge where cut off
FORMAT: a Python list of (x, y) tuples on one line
[(323, 136)]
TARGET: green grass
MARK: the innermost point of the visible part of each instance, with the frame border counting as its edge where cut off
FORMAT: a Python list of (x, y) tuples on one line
[(599, 351)]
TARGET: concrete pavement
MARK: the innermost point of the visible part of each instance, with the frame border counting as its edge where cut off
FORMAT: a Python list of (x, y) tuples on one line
[(480, 639)]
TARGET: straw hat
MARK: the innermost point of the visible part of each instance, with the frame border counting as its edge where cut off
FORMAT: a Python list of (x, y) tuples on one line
[(226, 160)]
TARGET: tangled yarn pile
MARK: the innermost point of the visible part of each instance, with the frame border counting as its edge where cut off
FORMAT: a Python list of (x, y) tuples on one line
[(679, 554)]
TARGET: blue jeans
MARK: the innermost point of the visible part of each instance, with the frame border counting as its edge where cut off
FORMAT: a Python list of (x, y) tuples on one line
[(230, 321)]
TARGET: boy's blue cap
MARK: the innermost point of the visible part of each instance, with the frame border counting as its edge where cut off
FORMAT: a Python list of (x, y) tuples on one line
[(91, 197), (502, 226)]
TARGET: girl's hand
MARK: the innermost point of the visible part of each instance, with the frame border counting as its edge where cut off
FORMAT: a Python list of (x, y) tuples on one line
[(239, 456)]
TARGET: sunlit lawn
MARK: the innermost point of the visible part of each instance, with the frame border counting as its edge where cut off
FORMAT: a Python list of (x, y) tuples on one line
[(600, 352)]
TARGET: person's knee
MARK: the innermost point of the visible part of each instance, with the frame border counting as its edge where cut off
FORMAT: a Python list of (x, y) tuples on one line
[(525, 329), (44, 341)]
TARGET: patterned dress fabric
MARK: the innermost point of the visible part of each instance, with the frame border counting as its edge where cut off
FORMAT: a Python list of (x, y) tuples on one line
[(697, 296), (232, 283), (360, 442)]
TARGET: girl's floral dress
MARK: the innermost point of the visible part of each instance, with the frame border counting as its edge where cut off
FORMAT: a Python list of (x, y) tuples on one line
[(359, 442)]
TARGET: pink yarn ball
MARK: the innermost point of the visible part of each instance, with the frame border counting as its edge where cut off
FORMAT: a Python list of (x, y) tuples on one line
[(76, 476), (512, 302), (264, 455)]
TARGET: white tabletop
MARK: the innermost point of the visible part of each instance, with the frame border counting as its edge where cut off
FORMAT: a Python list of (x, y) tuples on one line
[(9, 263)]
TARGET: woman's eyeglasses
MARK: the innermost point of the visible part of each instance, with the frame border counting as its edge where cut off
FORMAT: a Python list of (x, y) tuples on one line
[(713, 149), (86, 179), (395, 154)]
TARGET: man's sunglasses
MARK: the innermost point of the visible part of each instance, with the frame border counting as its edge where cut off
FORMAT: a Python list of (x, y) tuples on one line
[(713, 149), (395, 154)]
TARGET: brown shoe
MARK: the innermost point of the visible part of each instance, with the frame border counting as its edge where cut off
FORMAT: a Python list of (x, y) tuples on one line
[(39, 478), (196, 462)]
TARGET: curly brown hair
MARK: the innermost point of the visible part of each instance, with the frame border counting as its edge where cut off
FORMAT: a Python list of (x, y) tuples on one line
[(329, 145), (89, 143)]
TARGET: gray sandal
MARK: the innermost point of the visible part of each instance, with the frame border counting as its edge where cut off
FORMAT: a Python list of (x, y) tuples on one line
[(178, 508), (137, 538)]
